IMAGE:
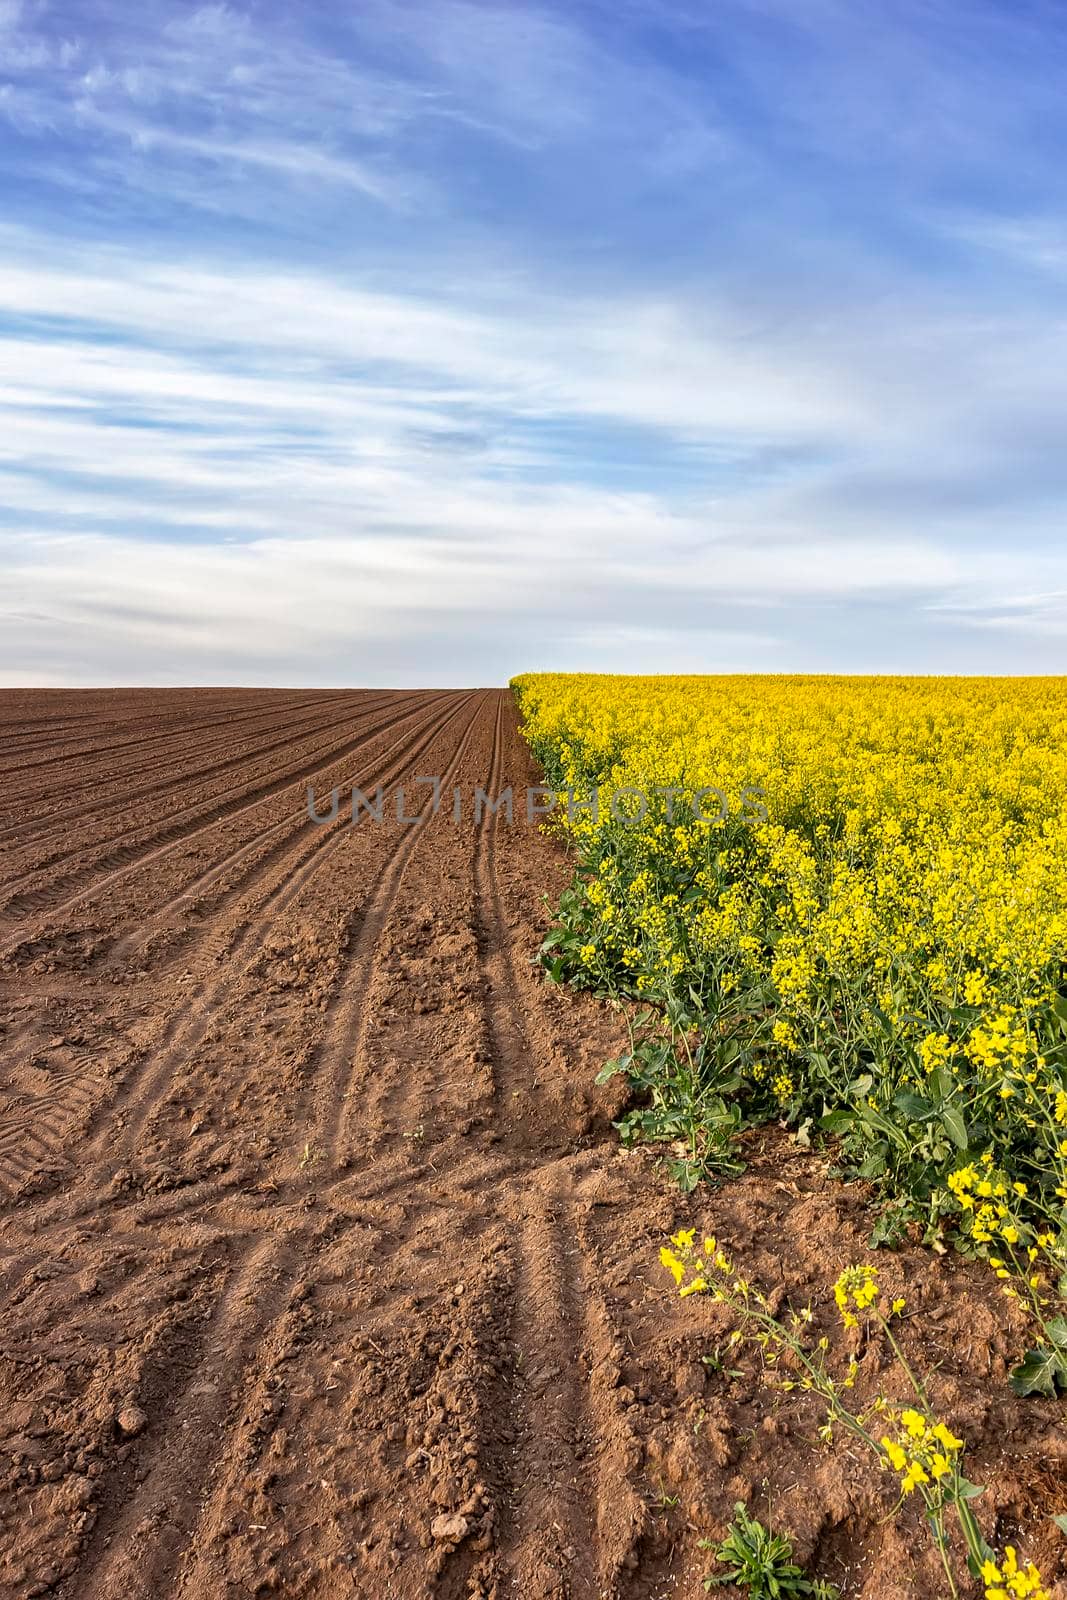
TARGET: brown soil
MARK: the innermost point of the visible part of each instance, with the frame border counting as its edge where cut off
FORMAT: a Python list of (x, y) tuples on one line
[(321, 1269)]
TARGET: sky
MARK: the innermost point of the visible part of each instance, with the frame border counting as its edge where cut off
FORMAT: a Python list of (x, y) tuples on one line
[(431, 341)]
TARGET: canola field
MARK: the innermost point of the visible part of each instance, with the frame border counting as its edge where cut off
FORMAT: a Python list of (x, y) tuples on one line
[(844, 901)]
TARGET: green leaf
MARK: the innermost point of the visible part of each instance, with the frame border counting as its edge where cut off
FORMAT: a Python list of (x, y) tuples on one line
[(970, 1491), (686, 1174), (1056, 1330), (1061, 1521), (890, 1229), (940, 1084), (885, 1027), (915, 1106), (891, 1131), (1039, 1373), (955, 1127), (874, 1166)]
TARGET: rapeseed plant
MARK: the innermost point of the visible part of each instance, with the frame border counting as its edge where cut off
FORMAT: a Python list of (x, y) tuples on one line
[(909, 1440), (866, 941)]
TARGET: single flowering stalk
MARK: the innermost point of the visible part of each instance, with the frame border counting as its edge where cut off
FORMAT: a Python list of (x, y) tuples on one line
[(910, 1441)]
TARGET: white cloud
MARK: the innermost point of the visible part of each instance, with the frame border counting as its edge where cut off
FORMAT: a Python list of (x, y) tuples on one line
[(196, 461), (300, 161), (629, 359)]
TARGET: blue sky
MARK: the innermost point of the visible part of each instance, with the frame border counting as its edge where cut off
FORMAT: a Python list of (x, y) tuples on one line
[(431, 341)]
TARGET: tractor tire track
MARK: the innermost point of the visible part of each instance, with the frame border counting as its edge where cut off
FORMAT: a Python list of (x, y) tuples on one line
[(60, 897), (191, 774), (25, 1147), (339, 1067), (60, 894)]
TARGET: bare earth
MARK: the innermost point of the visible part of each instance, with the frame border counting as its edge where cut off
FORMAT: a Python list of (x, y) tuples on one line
[(321, 1269)]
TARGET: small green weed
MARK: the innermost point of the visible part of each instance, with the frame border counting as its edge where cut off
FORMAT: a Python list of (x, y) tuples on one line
[(762, 1562)]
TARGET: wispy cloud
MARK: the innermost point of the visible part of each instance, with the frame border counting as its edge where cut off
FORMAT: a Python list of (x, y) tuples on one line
[(1037, 244), (298, 161)]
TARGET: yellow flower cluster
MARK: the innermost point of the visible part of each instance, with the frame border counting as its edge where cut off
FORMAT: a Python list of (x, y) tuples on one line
[(692, 1271), (777, 1080), (1008, 1579), (857, 1288), (1003, 1040), (924, 1451)]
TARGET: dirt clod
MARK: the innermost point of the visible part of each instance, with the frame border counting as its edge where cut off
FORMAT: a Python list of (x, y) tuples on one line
[(454, 1528), (131, 1421)]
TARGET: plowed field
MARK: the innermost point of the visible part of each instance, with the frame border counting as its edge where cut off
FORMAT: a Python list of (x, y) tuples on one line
[(321, 1270)]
